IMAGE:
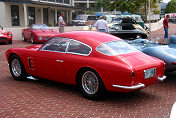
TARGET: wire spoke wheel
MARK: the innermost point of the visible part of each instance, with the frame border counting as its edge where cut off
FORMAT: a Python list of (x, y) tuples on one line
[(16, 67), (90, 82)]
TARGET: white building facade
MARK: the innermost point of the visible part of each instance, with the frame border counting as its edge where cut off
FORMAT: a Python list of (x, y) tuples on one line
[(23, 13)]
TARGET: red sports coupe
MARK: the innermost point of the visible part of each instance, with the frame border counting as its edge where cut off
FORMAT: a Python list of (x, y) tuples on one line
[(38, 33), (5, 37), (94, 61)]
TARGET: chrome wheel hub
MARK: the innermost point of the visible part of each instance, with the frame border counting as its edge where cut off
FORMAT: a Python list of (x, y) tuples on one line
[(90, 82), (16, 67)]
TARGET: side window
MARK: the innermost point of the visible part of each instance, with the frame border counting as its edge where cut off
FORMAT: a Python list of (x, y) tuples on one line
[(56, 44), (78, 48)]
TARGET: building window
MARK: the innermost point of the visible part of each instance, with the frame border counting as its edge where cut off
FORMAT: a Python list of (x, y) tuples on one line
[(66, 1), (51, 0), (59, 1), (15, 15), (45, 15), (31, 16)]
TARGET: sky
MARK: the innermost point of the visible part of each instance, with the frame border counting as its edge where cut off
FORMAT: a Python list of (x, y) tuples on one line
[(166, 1)]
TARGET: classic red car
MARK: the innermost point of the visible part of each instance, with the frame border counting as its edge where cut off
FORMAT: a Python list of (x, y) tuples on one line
[(38, 33), (94, 61), (5, 36)]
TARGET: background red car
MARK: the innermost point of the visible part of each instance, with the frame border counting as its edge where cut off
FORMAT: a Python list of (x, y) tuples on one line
[(38, 33), (5, 36), (92, 60)]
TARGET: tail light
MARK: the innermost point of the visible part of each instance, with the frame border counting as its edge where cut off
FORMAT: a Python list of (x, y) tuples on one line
[(174, 63)]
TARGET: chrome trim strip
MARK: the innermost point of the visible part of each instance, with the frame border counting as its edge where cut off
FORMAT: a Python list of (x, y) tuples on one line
[(59, 60), (31, 78), (160, 79), (137, 86)]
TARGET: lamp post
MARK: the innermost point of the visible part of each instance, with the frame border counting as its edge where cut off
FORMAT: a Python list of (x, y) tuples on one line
[(149, 13)]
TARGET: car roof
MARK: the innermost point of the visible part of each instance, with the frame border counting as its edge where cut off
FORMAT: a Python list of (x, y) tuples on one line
[(92, 37)]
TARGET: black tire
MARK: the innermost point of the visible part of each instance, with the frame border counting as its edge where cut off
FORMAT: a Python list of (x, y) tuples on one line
[(24, 39), (32, 39), (17, 68), (99, 91)]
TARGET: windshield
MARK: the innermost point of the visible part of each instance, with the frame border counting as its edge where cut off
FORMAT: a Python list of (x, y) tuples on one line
[(40, 26), (115, 48)]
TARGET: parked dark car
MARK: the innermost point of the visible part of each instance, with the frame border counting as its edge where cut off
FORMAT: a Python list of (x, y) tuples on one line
[(127, 28)]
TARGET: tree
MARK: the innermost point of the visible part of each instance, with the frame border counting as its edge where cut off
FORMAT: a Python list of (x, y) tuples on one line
[(171, 7), (106, 4)]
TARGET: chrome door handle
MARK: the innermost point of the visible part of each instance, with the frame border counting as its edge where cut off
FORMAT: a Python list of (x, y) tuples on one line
[(59, 60)]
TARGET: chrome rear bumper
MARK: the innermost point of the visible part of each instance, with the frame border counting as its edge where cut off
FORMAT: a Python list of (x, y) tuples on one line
[(160, 79), (137, 86)]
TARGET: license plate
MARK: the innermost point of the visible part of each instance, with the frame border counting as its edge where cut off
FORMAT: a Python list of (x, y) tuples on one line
[(149, 73)]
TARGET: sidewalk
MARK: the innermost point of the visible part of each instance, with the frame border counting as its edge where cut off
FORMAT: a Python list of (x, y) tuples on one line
[(160, 32)]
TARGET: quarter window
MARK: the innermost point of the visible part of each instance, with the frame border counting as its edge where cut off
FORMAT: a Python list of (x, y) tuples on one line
[(56, 44), (78, 48)]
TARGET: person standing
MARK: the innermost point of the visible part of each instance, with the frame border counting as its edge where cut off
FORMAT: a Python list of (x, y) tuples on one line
[(61, 23), (166, 26), (101, 25)]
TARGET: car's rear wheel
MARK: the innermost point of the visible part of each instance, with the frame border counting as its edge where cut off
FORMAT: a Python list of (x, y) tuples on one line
[(32, 39), (91, 85), (17, 68)]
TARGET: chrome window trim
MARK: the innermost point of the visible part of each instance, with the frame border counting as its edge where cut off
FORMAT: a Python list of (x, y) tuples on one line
[(66, 50), (79, 53), (52, 51)]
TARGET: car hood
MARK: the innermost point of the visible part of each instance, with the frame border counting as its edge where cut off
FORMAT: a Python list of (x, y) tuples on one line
[(139, 61), (2, 32), (45, 31)]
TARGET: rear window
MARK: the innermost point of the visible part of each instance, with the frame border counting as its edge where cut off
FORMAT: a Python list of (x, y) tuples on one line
[(115, 48)]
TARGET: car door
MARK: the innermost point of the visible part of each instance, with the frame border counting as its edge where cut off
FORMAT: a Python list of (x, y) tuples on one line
[(49, 60)]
